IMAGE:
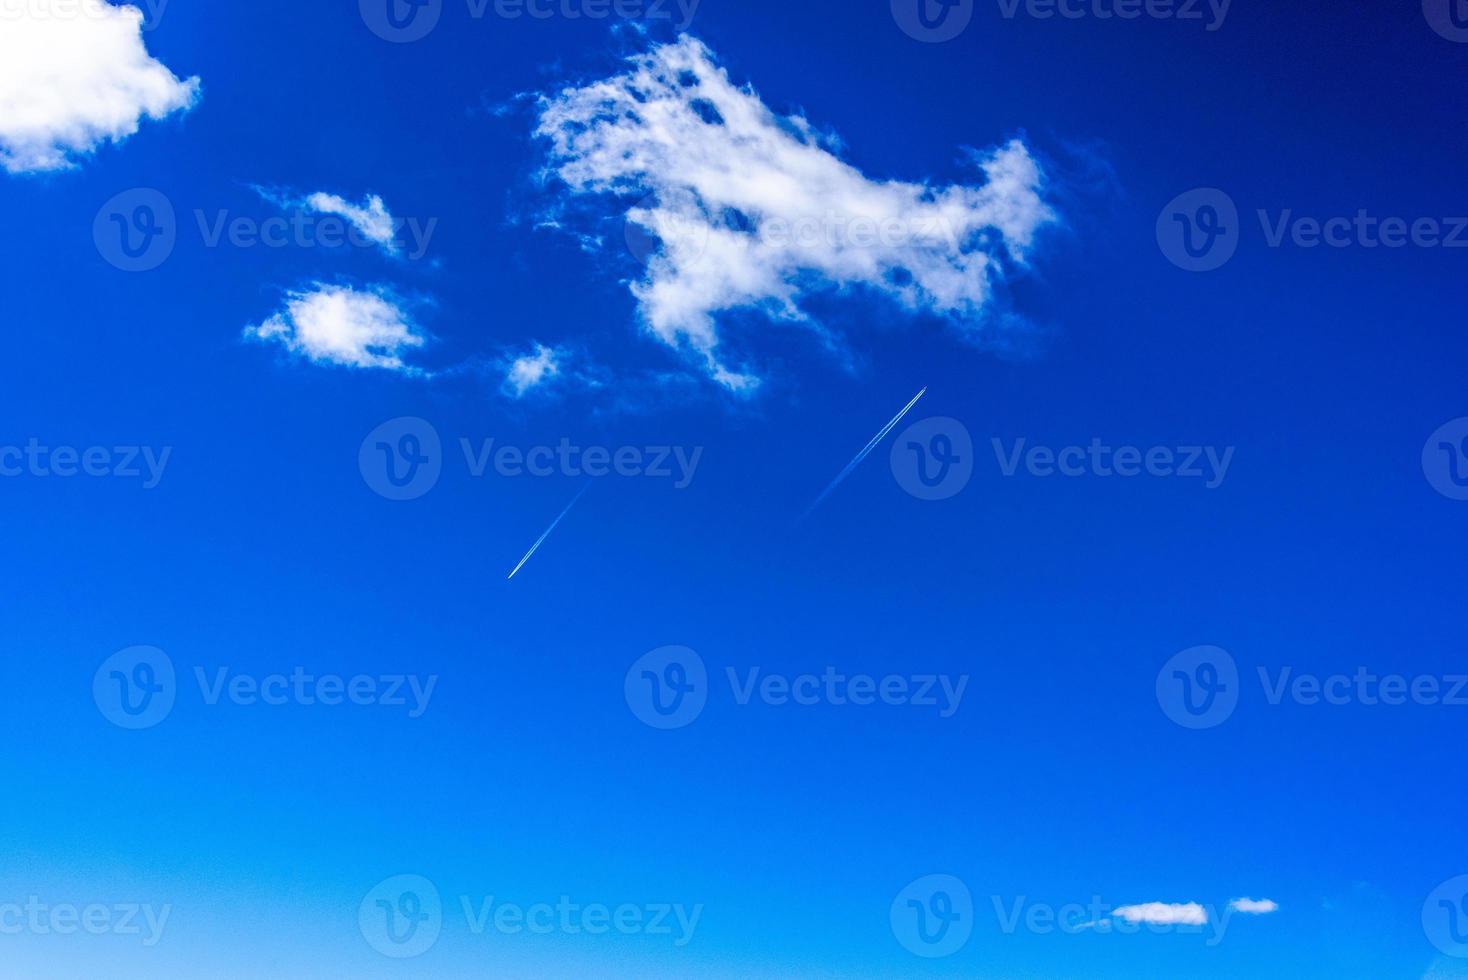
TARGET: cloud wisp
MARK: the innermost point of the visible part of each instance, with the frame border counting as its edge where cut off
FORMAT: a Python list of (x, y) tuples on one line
[(754, 211), (532, 371), (1249, 906), (333, 324), (68, 84)]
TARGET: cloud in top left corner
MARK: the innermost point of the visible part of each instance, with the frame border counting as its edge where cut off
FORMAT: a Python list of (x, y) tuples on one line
[(74, 76)]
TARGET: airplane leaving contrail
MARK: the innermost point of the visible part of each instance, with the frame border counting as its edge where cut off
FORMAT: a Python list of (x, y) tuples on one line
[(547, 533), (862, 455)]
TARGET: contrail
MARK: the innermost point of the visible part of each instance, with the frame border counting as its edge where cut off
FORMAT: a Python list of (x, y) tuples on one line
[(547, 533), (862, 455)]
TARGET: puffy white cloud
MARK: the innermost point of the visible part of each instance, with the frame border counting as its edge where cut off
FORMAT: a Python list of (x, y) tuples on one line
[(753, 210), (1163, 914), (1250, 907), (73, 76), (530, 371), (370, 218), (343, 325)]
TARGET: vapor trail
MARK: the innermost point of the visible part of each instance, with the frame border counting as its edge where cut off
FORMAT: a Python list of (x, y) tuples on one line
[(547, 533), (861, 455)]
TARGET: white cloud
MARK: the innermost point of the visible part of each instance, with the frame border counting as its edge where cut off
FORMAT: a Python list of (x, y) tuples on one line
[(342, 325), (1250, 907), (530, 371), (1164, 914), (75, 76), (753, 210), (370, 218)]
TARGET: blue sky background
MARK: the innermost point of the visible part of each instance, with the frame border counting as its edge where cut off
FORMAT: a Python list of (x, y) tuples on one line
[(1059, 779)]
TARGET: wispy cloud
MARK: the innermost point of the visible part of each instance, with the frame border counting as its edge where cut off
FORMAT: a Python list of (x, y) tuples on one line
[(71, 83), (344, 325), (533, 370), (1163, 914), (754, 210), (370, 218), (1249, 906)]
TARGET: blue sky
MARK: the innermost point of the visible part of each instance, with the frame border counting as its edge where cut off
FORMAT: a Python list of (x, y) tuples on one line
[(731, 273)]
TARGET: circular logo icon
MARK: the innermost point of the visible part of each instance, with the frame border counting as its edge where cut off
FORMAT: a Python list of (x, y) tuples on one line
[(934, 916), (135, 688), (401, 917), (1445, 917), (401, 21), (136, 230), (1448, 17), (934, 459), (1445, 460), (667, 688), (676, 230), (933, 21), (1199, 230), (1199, 688), (401, 459)]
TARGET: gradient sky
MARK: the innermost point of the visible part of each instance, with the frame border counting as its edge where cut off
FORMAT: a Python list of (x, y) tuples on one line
[(1059, 779)]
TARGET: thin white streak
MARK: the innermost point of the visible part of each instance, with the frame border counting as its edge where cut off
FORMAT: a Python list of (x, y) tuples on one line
[(547, 533), (862, 455)]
